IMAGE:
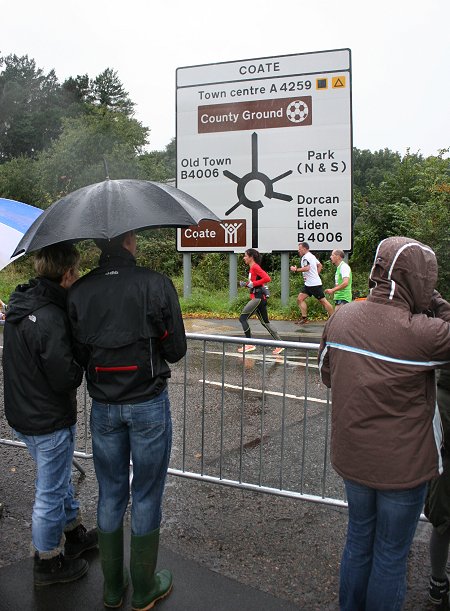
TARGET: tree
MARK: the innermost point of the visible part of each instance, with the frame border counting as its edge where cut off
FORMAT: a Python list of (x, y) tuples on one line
[(413, 200), (19, 181), (107, 92), (75, 159), (77, 89), (429, 219), (32, 105), (159, 165), (369, 168)]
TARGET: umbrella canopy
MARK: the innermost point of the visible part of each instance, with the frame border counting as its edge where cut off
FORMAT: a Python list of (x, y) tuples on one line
[(112, 207), (15, 219)]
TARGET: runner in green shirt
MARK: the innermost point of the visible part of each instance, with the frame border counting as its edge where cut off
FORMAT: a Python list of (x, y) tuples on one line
[(342, 291)]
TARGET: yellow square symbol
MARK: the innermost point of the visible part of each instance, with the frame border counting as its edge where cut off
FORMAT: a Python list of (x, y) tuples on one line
[(338, 82), (321, 83)]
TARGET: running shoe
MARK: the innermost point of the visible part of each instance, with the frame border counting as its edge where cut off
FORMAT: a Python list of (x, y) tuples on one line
[(438, 591), (277, 351), (301, 321), (247, 348)]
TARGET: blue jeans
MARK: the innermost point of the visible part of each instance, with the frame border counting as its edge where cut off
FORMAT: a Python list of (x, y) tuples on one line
[(142, 431), (381, 527), (55, 506)]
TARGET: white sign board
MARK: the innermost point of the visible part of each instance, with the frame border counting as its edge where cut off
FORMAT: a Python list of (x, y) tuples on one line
[(267, 145)]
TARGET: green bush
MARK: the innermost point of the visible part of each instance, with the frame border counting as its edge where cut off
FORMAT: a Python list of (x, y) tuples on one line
[(18, 272), (211, 272), (210, 290)]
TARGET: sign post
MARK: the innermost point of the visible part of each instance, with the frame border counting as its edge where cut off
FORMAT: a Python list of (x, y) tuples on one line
[(267, 145)]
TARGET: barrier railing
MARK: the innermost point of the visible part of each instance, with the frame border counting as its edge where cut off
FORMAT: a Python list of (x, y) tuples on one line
[(253, 421)]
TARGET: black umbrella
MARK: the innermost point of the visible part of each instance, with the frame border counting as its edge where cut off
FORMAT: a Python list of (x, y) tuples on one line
[(112, 207)]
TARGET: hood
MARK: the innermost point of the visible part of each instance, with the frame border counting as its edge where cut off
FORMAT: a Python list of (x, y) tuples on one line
[(28, 298), (404, 274)]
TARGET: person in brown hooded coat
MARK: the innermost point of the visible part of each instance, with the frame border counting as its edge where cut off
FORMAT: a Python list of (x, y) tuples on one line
[(379, 356)]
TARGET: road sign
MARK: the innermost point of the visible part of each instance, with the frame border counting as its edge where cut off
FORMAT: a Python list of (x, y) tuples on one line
[(267, 144)]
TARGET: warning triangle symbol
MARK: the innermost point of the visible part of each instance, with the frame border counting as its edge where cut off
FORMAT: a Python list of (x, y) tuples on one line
[(338, 83)]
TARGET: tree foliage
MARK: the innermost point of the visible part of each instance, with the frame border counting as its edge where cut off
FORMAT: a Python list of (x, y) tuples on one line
[(32, 105), (19, 180), (159, 165), (78, 88), (411, 199), (107, 92), (370, 167), (77, 157), (54, 139)]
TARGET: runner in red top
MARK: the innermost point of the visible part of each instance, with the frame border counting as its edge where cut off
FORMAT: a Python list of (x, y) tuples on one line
[(257, 279)]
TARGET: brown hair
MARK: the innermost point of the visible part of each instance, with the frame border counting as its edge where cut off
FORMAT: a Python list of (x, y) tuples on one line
[(255, 254), (54, 261)]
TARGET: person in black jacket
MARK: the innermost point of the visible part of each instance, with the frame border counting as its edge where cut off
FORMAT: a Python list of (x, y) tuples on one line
[(127, 323), (40, 380), (437, 505)]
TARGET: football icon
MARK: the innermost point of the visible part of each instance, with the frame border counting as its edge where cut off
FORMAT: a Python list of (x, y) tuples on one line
[(297, 111)]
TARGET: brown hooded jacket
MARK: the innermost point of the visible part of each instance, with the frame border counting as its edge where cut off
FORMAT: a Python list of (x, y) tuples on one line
[(379, 356)]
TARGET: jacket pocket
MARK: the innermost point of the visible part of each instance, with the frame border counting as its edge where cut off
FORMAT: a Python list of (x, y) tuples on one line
[(125, 363)]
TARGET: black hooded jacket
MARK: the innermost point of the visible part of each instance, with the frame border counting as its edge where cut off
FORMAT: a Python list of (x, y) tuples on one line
[(127, 323), (39, 372)]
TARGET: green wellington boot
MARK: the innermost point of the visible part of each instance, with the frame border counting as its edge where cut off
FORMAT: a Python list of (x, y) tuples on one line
[(115, 576), (148, 586)]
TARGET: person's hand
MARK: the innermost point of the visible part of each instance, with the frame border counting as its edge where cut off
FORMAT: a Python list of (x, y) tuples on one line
[(250, 284), (329, 291), (293, 268)]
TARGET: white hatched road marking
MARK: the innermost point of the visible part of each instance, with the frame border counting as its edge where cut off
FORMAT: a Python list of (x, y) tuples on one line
[(259, 391), (269, 357)]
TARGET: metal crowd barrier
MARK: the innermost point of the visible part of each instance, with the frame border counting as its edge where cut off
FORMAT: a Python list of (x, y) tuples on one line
[(252, 421)]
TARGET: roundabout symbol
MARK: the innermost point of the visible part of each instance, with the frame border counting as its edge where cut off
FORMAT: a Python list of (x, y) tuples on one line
[(245, 197)]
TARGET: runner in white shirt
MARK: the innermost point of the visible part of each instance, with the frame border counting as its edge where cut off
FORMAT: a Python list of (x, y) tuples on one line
[(310, 268)]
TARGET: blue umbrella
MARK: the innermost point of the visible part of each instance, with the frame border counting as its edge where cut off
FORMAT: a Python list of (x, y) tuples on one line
[(15, 219)]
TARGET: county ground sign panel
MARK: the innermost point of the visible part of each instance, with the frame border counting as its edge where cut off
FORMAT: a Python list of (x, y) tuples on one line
[(266, 144)]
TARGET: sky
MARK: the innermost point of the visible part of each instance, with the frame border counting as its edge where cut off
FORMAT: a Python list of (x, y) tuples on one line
[(400, 53)]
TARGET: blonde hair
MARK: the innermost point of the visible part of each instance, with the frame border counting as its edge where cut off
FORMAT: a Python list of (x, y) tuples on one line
[(54, 261)]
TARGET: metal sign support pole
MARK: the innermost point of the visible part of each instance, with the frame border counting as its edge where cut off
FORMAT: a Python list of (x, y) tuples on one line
[(233, 275), (187, 274), (284, 278)]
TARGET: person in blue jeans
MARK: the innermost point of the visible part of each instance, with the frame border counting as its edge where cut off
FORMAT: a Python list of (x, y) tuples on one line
[(381, 527), (40, 380), (127, 324), (379, 356)]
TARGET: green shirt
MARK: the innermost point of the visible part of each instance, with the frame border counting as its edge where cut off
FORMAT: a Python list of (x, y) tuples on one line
[(343, 271)]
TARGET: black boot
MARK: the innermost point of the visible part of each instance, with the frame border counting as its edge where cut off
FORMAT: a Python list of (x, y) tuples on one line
[(79, 540), (438, 592), (57, 570)]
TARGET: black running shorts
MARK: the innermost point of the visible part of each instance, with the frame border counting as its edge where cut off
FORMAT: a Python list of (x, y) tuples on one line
[(313, 291)]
